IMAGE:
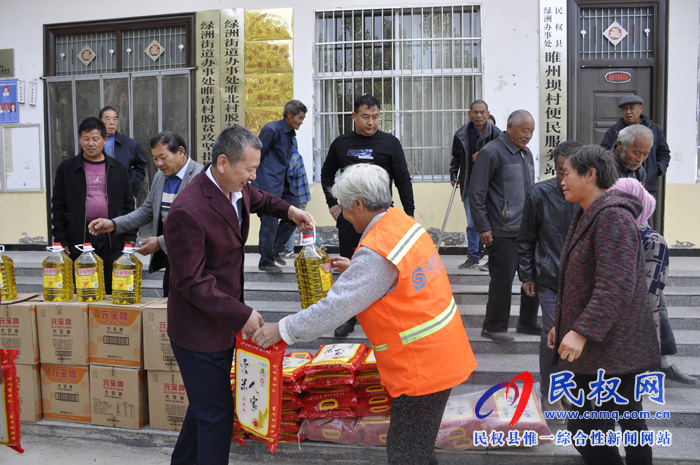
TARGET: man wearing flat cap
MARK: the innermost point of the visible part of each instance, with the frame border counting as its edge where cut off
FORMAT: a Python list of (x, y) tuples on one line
[(656, 164)]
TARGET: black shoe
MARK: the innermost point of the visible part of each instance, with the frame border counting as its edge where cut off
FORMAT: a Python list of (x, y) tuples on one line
[(346, 328), (675, 374), (279, 260), (470, 263), (501, 338), (272, 269), (484, 267), (529, 329)]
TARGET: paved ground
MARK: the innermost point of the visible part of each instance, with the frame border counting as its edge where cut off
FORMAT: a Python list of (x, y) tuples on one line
[(66, 451)]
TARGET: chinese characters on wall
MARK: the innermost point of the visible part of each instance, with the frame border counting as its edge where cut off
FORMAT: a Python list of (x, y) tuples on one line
[(553, 82)]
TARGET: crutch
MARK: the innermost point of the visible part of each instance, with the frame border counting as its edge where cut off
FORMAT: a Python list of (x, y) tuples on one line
[(447, 214)]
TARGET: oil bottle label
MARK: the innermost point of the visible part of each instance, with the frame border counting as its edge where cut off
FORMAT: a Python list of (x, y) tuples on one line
[(123, 280), (326, 276), (87, 278), (53, 278)]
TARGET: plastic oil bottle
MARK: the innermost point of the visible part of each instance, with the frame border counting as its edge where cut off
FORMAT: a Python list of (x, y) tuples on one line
[(313, 269), (58, 275), (8, 286), (89, 275), (126, 278)]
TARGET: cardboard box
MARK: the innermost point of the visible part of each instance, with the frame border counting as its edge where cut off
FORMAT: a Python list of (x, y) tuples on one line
[(167, 400), (29, 383), (118, 397), (115, 334), (65, 392), (18, 330), (157, 351), (63, 332)]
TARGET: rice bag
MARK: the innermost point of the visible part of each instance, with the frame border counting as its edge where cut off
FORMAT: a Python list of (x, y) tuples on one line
[(328, 401), (459, 422), (377, 405), (340, 412), (337, 357), (259, 389), (10, 432), (366, 377), (291, 415), (300, 355), (371, 390), (369, 363), (292, 437), (374, 429), (291, 401), (338, 430), (324, 379), (293, 369), (345, 389), (294, 388)]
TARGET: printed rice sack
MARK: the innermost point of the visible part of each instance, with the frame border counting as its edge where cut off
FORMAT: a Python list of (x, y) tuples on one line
[(337, 357), (369, 363), (292, 437), (338, 430), (374, 429), (300, 355), (376, 405), (291, 401), (293, 369), (10, 433), (328, 401), (340, 412), (459, 422), (291, 415), (338, 390), (325, 379), (367, 377), (371, 390), (259, 389)]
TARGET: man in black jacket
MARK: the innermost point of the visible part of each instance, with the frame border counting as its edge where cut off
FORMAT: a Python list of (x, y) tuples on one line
[(124, 149), (468, 140), (366, 144), (502, 176), (546, 219), (88, 186), (656, 164)]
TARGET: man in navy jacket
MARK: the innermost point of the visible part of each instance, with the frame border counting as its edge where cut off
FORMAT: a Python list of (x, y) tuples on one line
[(124, 149)]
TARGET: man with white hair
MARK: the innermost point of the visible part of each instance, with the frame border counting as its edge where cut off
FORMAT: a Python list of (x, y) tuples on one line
[(632, 147)]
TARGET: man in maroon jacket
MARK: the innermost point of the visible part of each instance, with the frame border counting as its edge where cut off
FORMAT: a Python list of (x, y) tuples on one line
[(206, 230)]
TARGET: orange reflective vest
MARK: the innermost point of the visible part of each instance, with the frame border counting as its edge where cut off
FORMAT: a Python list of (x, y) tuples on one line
[(416, 330)]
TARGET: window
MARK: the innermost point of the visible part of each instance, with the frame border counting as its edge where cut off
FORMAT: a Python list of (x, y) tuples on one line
[(630, 32), (423, 64)]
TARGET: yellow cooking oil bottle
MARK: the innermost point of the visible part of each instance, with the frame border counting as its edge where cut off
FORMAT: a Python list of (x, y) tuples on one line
[(313, 268), (89, 275), (58, 275), (126, 278), (8, 286)]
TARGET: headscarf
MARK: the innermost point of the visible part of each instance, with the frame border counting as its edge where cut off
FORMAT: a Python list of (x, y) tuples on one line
[(635, 188)]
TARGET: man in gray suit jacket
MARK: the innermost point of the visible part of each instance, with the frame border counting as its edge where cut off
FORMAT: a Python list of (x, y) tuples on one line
[(176, 170)]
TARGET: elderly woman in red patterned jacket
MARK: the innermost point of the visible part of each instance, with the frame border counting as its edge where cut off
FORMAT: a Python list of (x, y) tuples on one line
[(603, 319)]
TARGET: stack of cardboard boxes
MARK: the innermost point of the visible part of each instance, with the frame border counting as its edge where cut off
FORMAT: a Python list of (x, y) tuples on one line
[(166, 390), (18, 331), (94, 362)]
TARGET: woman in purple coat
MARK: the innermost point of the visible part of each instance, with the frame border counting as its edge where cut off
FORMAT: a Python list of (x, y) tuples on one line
[(603, 319)]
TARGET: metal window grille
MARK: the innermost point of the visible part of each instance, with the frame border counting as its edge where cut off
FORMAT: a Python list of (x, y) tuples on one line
[(638, 23), (423, 64), (136, 42), (69, 47)]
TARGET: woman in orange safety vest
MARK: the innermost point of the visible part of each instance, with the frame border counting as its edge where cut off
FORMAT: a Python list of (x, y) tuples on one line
[(397, 286)]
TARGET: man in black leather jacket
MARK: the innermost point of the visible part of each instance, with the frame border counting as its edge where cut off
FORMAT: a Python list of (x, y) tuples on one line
[(545, 223)]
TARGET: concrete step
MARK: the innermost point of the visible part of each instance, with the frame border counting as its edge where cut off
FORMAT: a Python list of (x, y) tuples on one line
[(684, 449)]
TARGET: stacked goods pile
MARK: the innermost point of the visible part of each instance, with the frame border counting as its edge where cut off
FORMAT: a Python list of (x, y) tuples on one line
[(292, 376), (330, 398)]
